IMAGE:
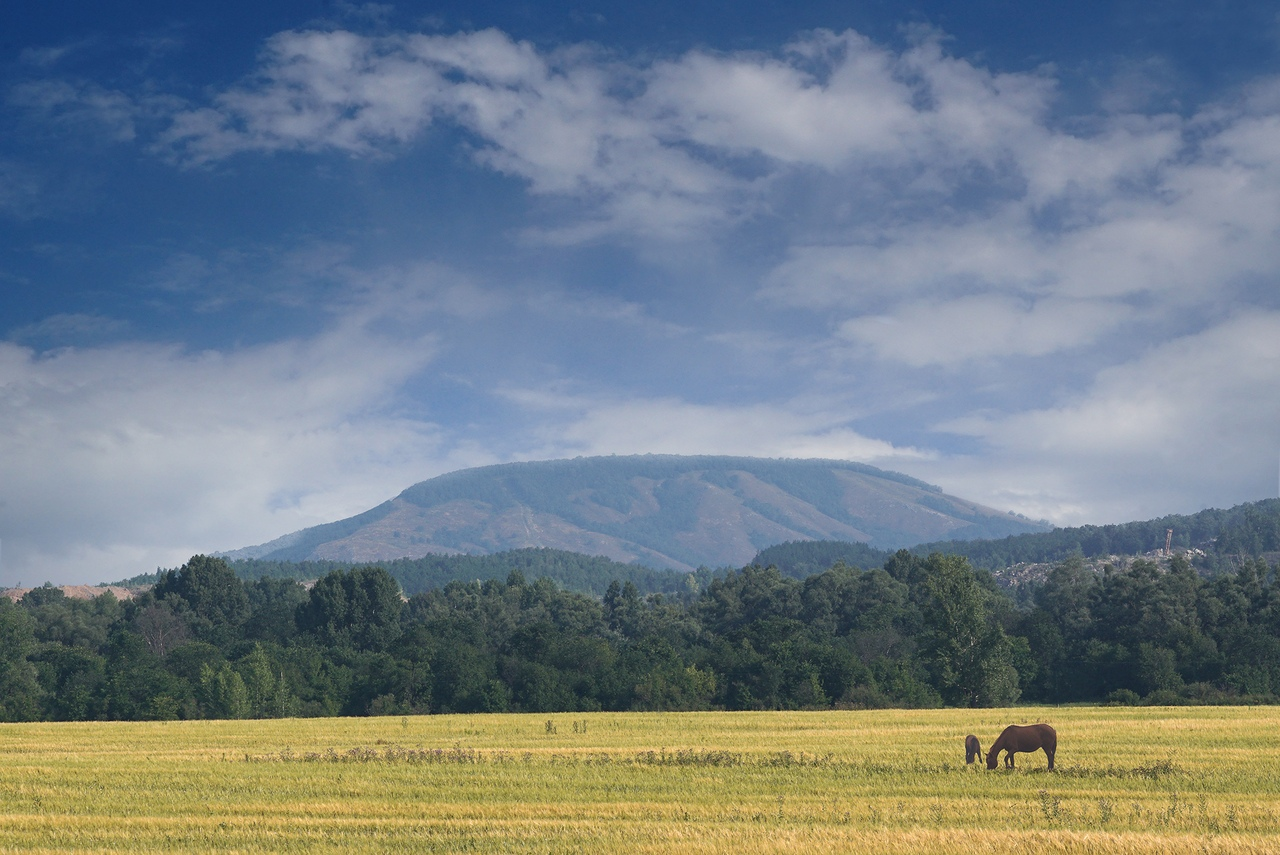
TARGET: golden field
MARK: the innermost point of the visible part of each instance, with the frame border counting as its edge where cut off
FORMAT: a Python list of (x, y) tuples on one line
[(1128, 780)]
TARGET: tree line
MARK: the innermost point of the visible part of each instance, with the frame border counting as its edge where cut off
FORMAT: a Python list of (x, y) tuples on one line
[(918, 631), (590, 574)]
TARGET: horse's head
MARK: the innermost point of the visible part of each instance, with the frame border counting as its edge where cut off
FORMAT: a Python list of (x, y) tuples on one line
[(993, 758)]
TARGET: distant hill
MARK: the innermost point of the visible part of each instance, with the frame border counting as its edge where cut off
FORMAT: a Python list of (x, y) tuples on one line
[(662, 511), (1217, 537), (801, 559), (75, 592), (572, 571)]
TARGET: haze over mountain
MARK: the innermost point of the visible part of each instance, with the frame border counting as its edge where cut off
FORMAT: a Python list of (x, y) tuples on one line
[(670, 511)]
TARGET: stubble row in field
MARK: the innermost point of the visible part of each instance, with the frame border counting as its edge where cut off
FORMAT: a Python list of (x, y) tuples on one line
[(1127, 780)]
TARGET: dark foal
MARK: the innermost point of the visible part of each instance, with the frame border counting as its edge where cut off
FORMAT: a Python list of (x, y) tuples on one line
[(972, 749)]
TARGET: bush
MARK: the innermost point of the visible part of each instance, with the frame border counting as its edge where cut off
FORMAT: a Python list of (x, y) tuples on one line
[(864, 698), (1123, 698), (1164, 698)]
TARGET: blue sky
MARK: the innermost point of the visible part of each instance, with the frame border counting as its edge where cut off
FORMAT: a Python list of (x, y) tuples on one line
[(263, 265)]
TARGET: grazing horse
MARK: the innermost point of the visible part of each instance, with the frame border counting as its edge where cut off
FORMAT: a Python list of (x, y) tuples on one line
[(1031, 737), (972, 750)]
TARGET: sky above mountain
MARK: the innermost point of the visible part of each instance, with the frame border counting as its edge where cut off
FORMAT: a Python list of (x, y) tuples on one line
[(263, 265)]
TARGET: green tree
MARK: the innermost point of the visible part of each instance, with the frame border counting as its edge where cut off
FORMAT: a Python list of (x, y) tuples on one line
[(222, 693), (968, 655), (63, 620), (136, 677), (622, 608), (267, 691), (72, 679), (358, 609), (19, 687), (215, 596), (273, 603)]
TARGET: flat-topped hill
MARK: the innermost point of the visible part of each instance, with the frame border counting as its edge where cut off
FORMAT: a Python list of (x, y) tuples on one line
[(670, 511)]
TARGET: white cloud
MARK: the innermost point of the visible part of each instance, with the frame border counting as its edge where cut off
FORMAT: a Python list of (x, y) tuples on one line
[(906, 211), (671, 148), (1190, 424), (588, 426), (1152, 222), (549, 120), (132, 456), (909, 262), (775, 107), (91, 106), (988, 327), (414, 293), (651, 149), (959, 178)]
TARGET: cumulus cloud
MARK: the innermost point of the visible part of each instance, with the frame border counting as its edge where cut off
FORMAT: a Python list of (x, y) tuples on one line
[(857, 104), (554, 121), (657, 148), (960, 179)]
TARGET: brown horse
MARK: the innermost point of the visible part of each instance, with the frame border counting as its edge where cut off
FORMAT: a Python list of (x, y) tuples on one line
[(972, 750), (1015, 738)]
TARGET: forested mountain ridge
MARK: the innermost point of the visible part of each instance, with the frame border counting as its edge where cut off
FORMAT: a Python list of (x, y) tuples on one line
[(1212, 539), (664, 511)]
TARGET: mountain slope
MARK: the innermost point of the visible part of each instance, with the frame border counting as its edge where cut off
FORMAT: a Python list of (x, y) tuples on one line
[(659, 510)]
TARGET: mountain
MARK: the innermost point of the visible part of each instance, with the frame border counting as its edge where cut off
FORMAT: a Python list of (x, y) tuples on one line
[(664, 511)]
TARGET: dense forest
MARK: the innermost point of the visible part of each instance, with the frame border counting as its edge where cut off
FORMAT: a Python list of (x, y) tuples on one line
[(918, 631)]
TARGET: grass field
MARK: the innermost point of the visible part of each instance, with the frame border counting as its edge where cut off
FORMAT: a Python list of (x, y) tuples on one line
[(1128, 780)]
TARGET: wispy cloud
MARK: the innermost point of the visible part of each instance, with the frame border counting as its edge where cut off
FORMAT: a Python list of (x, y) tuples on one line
[(984, 327), (598, 424), (92, 107), (1198, 416), (21, 191), (128, 449), (74, 328)]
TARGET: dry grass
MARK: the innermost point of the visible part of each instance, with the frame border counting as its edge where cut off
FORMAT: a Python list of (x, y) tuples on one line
[(1128, 780)]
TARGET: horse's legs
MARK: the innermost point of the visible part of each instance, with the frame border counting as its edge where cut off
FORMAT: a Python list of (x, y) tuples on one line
[(1050, 753), (1008, 759)]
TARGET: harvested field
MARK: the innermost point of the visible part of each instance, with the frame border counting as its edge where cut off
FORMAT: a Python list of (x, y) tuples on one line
[(1149, 780)]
